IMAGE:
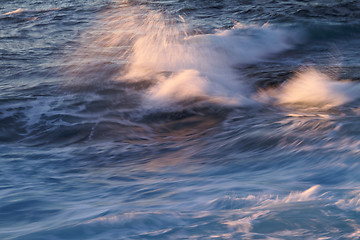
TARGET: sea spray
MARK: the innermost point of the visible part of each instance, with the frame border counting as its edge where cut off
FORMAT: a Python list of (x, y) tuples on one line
[(179, 63), (313, 88), (182, 67)]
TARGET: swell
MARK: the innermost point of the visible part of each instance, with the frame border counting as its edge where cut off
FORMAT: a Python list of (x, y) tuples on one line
[(140, 66), (111, 113)]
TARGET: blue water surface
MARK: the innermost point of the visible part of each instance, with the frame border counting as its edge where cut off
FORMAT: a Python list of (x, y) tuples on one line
[(227, 119)]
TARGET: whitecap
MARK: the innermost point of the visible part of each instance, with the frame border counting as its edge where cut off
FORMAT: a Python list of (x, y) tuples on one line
[(313, 88)]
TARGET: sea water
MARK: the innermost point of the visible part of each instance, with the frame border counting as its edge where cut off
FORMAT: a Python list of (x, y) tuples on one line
[(179, 119)]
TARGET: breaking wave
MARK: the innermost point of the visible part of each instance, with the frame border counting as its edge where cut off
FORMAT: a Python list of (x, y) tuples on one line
[(179, 63), (313, 88)]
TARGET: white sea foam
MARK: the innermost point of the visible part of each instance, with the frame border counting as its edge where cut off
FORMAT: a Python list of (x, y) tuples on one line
[(182, 67), (200, 65), (306, 195), (351, 202), (19, 10), (244, 225), (266, 201), (269, 200), (313, 88), (253, 208)]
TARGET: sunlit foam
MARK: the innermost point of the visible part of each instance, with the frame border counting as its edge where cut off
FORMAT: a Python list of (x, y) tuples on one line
[(19, 10), (189, 85), (244, 225), (256, 207), (351, 202), (302, 196), (193, 70), (313, 88), (264, 201), (135, 43), (199, 66)]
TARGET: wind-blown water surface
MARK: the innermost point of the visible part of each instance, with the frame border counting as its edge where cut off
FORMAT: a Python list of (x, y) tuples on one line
[(179, 119)]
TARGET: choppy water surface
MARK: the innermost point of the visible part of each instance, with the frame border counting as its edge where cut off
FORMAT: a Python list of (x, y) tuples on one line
[(179, 119)]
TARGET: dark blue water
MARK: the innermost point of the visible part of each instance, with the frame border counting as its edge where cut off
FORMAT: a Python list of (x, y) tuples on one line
[(179, 119)]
